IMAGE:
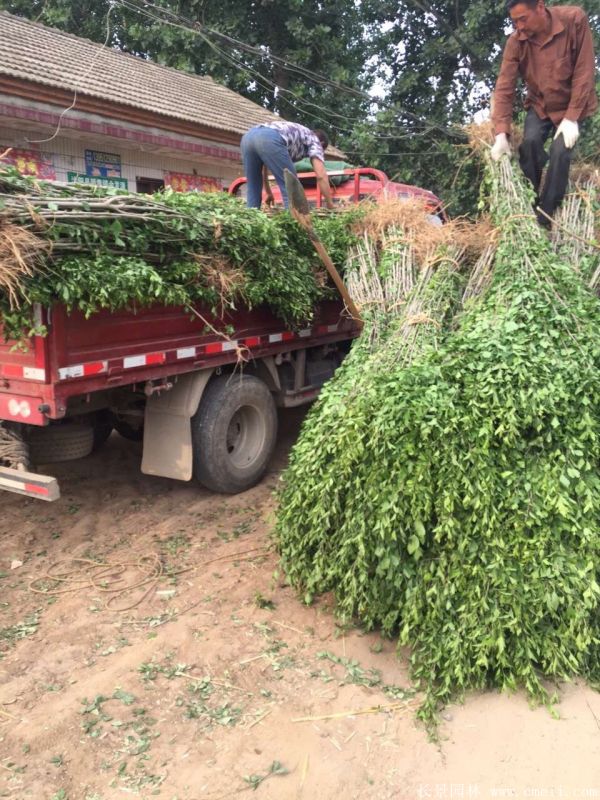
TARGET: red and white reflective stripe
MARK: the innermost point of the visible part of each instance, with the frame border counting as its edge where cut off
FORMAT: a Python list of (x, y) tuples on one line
[(229, 345), (83, 370), (26, 373), (24, 486), (129, 362), (186, 352), (286, 336), (29, 483), (326, 329), (182, 353)]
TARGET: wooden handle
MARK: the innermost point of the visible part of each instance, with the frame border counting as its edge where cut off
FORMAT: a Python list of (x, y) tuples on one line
[(301, 213)]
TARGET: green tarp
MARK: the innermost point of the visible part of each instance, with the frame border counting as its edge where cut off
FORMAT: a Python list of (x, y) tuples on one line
[(330, 166)]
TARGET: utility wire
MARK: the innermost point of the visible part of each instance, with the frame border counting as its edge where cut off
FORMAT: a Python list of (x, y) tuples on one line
[(80, 81), (261, 51), (255, 76), (189, 26)]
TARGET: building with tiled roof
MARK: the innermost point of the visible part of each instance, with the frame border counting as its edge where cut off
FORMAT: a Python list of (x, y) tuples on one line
[(73, 110)]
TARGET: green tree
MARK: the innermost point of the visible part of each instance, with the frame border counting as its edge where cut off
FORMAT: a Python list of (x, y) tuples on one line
[(438, 61), (431, 62)]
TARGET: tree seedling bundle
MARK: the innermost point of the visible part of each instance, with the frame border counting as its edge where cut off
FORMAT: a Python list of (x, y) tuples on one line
[(446, 485)]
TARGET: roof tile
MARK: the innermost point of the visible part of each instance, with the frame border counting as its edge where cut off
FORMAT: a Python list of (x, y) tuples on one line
[(34, 52)]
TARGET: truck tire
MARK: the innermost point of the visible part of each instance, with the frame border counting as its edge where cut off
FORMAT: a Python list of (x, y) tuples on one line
[(103, 428), (233, 433), (127, 430), (64, 442)]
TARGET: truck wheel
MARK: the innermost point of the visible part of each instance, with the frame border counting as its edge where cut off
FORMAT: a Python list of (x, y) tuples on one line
[(129, 431), (103, 428), (233, 433), (63, 442)]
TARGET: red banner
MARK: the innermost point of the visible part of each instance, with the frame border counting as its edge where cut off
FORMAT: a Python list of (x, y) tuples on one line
[(30, 162), (181, 182)]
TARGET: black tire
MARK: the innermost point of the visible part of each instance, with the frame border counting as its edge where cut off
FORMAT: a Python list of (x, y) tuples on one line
[(128, 431), (103, 427), (66, 441), (234, 433)]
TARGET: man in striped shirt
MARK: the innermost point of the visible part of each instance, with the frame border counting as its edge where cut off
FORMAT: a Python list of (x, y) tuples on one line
[(273, 147)]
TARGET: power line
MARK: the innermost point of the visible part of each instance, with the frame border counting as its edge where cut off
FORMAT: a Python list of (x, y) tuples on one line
[(255, 76), (195, 28), (81, 79), (259, 51)]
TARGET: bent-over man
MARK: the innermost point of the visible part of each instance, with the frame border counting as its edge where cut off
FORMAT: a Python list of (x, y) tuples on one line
[(552, 50), (273, 147)]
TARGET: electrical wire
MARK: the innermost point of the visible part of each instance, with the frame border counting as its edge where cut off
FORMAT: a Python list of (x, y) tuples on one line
[(261, 51), (190, 27), (424, 127), (256, 76), (81, 79)]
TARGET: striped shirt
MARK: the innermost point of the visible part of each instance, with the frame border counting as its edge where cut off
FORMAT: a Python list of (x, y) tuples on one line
[(300, 141)]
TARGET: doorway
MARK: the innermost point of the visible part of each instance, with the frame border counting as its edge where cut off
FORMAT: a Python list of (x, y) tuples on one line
[(148, 185)]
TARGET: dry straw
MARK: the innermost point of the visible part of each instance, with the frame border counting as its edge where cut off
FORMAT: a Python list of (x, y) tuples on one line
[(220, 274), (413, 223), (22, 254), (13, 450)]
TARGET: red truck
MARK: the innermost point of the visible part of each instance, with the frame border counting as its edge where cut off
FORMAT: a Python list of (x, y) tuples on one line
[(204, 403), (351, 185)]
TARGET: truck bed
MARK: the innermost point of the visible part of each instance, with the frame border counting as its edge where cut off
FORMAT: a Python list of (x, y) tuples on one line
[(109, 350)]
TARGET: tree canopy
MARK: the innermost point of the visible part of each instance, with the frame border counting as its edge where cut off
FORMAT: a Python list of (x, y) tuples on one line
[(392, 80)]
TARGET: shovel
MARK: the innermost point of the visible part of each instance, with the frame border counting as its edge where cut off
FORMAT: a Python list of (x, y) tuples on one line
[(301, 213)]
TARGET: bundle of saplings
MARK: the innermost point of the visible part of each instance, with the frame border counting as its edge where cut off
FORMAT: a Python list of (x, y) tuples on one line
[(94, 248), (446, 487)]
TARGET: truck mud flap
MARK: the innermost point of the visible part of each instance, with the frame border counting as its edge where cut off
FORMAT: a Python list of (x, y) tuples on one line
[(42, 487), (168, 450)]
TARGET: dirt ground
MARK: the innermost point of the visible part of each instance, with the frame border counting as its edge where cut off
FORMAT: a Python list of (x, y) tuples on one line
[(211, 680)]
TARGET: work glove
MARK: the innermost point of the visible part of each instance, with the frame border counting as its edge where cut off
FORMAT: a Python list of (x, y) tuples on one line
[(501, 147), (570, 132)]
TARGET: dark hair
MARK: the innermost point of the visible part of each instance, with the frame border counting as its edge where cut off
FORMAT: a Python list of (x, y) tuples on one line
[(322, 137), (512, 3)]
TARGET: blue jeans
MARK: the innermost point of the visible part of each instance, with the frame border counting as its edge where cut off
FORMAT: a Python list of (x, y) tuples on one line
[(260, 146)]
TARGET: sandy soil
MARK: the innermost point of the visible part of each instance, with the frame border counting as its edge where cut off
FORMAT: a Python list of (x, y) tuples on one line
[(219, 682)]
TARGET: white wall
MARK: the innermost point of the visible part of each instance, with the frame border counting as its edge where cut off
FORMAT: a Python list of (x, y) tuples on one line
[(68, 155)]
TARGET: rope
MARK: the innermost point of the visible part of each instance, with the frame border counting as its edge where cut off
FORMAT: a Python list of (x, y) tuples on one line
[(13, 450), (106, 576)]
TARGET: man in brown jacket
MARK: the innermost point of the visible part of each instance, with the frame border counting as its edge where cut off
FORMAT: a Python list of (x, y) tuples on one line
[(551, 49)]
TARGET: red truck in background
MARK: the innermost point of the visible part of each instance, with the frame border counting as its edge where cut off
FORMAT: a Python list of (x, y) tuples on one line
[(203, 403), (351, 185)]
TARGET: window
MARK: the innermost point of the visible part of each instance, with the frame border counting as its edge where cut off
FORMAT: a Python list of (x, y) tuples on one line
[(148, 185)]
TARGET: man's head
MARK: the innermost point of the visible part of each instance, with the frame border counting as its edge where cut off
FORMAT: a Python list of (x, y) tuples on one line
[(529, 17), (322, 137)]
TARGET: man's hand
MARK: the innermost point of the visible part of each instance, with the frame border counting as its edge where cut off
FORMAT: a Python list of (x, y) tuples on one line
[(501, 147), (570, 132)]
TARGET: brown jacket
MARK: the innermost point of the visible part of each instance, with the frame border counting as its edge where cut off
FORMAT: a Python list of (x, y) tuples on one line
[(559, 72)]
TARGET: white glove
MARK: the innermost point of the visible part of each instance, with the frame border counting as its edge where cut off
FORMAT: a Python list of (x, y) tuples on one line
[(501, 147), (570, 132)]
